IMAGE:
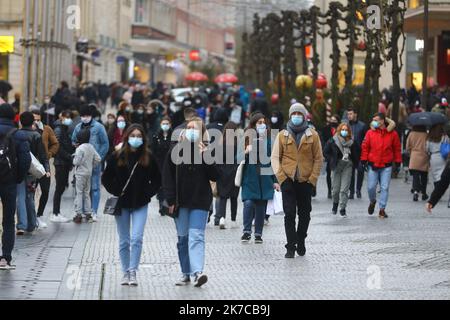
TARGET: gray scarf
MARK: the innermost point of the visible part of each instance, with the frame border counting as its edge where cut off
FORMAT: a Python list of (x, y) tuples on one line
[(297, 131), (344, 147)]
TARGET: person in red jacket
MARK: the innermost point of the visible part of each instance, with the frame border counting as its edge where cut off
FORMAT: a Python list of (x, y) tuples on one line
[(381, 150)]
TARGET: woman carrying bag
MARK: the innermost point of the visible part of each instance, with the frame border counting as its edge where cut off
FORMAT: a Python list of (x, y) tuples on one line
[(187, 188), (132, 175), (258, 180)]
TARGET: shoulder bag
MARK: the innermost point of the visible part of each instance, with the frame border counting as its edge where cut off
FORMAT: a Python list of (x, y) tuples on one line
[(112, 206)]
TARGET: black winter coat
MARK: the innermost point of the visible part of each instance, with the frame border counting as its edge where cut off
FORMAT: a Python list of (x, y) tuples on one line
[(190, 181), (37, 146), (225, 184), (66, 149), (144, 184), (333, 155), (22, 147), (161, 146), (441, 186)]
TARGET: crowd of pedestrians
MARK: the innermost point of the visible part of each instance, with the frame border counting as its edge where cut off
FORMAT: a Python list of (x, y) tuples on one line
[(196, 155)]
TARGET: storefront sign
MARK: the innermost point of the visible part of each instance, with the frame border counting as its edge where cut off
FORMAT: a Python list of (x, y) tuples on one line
[(6, 44)]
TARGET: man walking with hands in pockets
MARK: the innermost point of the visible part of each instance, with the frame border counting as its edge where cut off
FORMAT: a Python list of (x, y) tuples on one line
[(297, 160)]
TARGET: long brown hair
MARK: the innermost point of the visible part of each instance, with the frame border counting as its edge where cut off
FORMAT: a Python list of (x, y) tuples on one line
[(349, 129), (252, 126), (436, 133), (123, 154)]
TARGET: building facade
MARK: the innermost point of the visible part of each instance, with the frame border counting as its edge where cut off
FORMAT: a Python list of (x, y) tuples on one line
[(164, 32), (438, 54)]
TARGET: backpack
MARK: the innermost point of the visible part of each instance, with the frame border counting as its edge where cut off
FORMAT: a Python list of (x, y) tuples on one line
[(445, 150), (8, 158)]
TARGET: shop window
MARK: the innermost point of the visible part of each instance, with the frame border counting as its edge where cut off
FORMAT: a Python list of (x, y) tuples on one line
[(4, 67)]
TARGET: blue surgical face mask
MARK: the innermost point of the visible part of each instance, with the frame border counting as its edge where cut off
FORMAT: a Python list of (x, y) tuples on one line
[(261, 128), (121, 125), (375, 124), (67, 122), (297, 120), (165, 127), (344, 133), (193, 135), (135, 143)]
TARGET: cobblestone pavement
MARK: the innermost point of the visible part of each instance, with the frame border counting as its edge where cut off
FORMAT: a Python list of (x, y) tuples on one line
[(404, 257)]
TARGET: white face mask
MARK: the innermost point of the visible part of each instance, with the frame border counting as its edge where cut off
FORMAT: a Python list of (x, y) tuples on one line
[(39, 125)]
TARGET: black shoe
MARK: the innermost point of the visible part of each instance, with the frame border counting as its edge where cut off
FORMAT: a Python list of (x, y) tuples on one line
[(259, 240), (416, 197), (246, 238), (343, 213), (359, 195), (351, 197), (301, 250), (383, 214), (372, 208), (290, 254), (335, 208), (425, 197), (200, 280)]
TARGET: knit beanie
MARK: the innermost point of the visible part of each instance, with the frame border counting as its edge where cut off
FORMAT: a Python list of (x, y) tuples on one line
[(298, 107)]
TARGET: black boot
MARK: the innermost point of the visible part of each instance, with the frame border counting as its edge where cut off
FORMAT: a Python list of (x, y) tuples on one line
[(335, 208)]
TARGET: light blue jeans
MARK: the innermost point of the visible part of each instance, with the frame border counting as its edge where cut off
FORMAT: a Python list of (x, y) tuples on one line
[(26, 210), (95, 187), (191, 226), (131, 226), (382, 176)]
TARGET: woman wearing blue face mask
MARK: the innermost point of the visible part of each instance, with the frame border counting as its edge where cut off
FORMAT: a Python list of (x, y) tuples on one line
[(161, 144), (116, 133), (258, 180), (186, 186), (342, 154), (133, 162)]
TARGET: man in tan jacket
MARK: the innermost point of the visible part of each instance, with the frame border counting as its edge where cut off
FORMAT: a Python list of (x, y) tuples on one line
[(51, 146), (297, 160)]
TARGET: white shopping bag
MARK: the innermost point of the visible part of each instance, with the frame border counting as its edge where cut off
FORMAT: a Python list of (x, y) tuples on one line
[(275, 206), (278, 203), (236, 115)]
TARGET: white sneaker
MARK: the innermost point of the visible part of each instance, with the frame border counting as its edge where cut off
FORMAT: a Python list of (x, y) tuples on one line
[(234, 225), (94, 218), (41, 223), (59, 219), (222, 223)]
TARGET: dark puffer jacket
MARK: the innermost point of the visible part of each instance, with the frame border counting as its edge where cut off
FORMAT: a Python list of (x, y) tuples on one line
[(144, 184), (22, 147), (66, 149)]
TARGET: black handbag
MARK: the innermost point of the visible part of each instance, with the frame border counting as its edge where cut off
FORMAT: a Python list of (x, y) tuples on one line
[(112, 205)]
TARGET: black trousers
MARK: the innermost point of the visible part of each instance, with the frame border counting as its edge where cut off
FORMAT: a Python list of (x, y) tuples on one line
[(44, 183), (8, 195), (420, 181), (358, 178), (62, 181), (329, 185), (296, 201), (222, 212)]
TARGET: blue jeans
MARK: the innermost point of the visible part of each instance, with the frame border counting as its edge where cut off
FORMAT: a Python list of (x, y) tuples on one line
[(191, 225), (26, 210), (95, 187), (382, 176), (254, 209), (130, 246)]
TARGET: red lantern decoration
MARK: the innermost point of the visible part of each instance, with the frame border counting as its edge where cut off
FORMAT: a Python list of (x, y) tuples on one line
[(321, 82), (275, 99), (194, 55), (362, 45)]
